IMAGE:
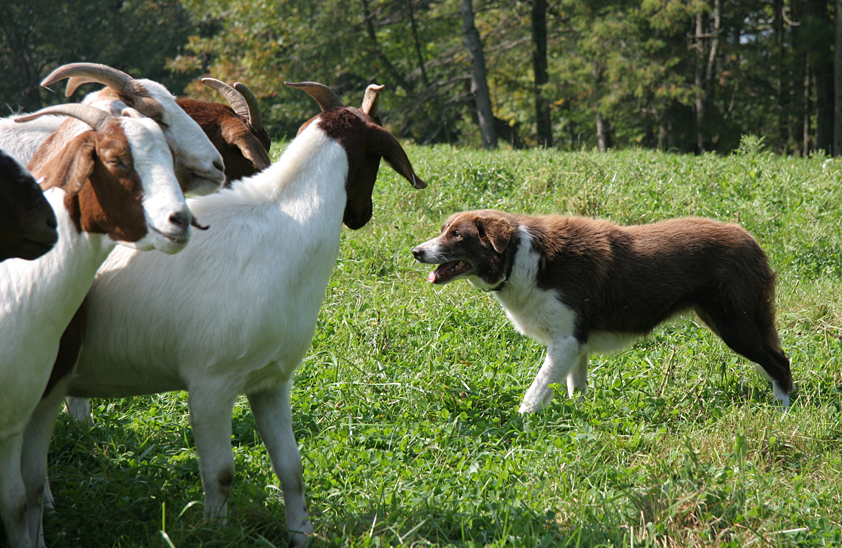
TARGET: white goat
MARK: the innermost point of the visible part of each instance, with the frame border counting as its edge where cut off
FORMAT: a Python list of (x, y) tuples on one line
[(198, 165), (113, 184), (181, 324), (238, 134)]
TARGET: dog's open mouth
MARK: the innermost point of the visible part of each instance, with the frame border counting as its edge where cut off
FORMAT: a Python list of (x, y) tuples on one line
[(448, 271)]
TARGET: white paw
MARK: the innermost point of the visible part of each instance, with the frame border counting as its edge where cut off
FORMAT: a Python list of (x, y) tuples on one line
[(528, 406)]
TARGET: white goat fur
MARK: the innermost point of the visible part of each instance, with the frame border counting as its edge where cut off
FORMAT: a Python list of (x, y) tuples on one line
[(234, 313), (38, 299), (20, 141), (196, 159)]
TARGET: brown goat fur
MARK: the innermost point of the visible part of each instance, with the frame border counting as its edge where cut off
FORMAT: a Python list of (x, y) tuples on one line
[(100, 158), (244, 149)]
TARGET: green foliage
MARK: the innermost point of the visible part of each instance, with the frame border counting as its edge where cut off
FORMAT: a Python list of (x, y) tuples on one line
[(406, 407), (135, 36), (661, 73)]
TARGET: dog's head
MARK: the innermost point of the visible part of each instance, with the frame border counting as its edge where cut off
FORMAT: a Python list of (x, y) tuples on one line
[(473, 245)]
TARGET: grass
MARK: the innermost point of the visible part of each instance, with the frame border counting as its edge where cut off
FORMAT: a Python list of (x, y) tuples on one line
[(406, 406)]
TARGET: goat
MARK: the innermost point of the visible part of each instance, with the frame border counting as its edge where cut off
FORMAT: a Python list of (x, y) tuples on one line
[(238, 134), (158, 326), (198, 165), (236, 131), (27, 222), (113, 184)]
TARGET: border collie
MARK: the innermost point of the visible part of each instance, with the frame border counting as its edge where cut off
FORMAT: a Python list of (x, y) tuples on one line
[(581, 285)]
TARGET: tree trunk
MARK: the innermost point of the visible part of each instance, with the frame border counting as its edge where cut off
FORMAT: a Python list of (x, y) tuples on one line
[(781, 107), (543, 123), (700, 85), (418, 52), (821, 58), (837, 77), (603, 133), (479, 82), (805, 114), (713, 59), (390, 68), (603, 128)]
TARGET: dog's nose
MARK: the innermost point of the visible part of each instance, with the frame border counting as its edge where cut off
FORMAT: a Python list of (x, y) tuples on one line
[(418, 253)]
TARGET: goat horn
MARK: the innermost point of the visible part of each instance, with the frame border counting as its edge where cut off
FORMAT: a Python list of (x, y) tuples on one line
[(83, 73), (94, 117), (234, 97), (322, 94), (254, 117), (372, 93)]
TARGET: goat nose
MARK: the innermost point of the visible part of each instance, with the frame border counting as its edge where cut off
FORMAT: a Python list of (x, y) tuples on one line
[(181, 219), (219, 165)]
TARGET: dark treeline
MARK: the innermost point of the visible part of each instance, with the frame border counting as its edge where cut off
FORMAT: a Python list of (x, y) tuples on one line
[(683, 75)]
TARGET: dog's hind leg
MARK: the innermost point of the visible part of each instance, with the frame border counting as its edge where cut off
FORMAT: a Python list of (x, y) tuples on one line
[(563, 359), (757, 340)]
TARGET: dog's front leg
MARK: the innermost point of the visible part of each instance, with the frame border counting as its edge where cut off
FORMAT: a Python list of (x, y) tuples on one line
[(563, 355)]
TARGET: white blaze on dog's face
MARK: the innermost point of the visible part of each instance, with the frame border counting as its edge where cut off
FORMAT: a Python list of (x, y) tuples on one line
[(473, 245)]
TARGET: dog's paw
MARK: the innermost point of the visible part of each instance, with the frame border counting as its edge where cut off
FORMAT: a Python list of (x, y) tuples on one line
[(529, 407)]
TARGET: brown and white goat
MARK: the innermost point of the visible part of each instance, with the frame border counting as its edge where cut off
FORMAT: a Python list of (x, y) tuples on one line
[(238, 134), (27, 222), (179, 324), (236, 131), (581, 285), (113, 184)]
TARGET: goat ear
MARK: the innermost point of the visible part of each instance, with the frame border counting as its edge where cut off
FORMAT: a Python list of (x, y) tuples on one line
[(74, 166), (384, 143), (254, 151), (497, 231)]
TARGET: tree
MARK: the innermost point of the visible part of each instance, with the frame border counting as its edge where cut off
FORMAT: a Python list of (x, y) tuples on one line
[(817, 29), (543, 124), (479, 81), (38, 35), (837, 77)]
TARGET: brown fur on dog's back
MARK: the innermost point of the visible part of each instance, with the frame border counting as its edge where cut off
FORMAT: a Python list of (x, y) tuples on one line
[(625, 277)]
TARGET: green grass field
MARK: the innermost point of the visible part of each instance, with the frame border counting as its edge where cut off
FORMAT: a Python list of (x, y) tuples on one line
[(406, 406)]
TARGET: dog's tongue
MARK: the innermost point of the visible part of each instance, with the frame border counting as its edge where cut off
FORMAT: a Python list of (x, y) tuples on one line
[(446, 271)]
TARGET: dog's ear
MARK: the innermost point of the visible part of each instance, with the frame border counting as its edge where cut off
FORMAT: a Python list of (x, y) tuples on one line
[(496, 230)]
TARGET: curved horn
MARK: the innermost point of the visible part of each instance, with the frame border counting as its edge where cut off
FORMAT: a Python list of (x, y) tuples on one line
[(322, 94), (254, 117), (83, 73), (372, 93), (94, 117), (234, 97)]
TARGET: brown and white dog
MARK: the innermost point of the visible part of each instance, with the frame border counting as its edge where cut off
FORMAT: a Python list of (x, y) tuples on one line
[(581, 285)]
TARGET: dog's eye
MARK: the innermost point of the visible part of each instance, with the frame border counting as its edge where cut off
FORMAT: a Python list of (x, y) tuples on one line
[(456, 234)]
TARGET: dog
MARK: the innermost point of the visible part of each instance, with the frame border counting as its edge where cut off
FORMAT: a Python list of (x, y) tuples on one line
[(581, 285)]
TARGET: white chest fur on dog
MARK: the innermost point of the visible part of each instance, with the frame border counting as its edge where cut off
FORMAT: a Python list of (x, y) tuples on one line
[(581, 286), (535, 312)]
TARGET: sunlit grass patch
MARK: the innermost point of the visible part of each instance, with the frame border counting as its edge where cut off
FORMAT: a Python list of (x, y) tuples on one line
[(406, 406)]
